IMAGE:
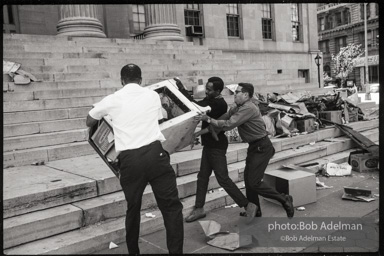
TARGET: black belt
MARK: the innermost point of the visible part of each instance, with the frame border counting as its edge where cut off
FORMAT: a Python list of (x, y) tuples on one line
[(142, 147), (258, 140)]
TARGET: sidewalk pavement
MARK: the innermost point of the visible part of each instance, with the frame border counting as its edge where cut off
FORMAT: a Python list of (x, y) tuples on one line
[(328, 204)]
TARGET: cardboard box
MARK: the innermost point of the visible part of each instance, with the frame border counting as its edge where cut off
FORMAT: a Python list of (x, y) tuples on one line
[(333, 116), (300, 184), (305, 125), (353, 114), (364, 162)]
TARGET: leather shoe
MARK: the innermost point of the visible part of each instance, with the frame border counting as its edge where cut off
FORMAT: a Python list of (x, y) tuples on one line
[(258, 213), (288, 206), (251, 209), (196, 214)]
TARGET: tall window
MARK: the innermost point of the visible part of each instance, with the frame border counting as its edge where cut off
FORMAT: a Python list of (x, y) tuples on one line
[(346, 16), (338, 19), (329, 22), (322, 24), (138, 17), (373, 73), (10, 20), (327, 69), (340, 42), (377, 9), (192, 14), (324, 46), (233, 18), (266, 21), (295, 22), (362, 11)]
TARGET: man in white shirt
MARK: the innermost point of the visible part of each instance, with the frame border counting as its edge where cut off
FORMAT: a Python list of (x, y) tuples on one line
[(135, 112)]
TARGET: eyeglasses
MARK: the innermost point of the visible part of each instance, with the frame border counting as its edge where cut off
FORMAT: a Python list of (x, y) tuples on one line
[(237, 92)]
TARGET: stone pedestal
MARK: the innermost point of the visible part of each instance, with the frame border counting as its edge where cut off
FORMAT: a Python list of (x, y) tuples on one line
[(161, 23), (80, 21)]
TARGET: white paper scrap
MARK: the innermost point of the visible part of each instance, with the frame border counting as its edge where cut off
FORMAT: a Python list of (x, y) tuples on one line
[(112, 245), (150, 215), (338, 169)]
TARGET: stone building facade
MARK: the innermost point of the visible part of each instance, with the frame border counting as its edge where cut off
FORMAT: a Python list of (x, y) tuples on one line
[(340, 24), (284, 33)]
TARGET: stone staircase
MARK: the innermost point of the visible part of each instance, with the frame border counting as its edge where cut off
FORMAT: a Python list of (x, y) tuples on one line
[(44, 121), (73, 203), (76, 206)]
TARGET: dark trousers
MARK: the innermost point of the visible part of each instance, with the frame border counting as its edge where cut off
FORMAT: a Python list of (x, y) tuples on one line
[(215, 159), (258, 155), (151, 164)]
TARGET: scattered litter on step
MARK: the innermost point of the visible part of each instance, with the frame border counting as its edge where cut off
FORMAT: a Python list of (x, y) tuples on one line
[(221, 189), (18, 75), (312, 143), (231, 206), (224, 240), (210, 191), (357, 194), (210, 227), (333, 169), (321, 185), (112, 245), (301, 208), (150, 215), (38, 163), (376, 195)]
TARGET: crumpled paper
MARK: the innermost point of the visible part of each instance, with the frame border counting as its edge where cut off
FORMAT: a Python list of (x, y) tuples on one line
[(224, 240), (333, 169)]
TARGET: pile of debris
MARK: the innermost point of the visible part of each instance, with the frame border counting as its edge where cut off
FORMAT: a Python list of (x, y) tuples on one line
[(18, 75), (295, 113)]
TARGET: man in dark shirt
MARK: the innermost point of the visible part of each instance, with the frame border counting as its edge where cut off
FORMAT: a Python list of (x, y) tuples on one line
[(247, 117), (214, 154)]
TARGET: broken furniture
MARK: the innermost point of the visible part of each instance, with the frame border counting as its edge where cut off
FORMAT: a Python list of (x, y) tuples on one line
[(298, 183), (178, 129)]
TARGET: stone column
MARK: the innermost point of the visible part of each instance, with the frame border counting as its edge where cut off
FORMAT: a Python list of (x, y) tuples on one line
[(79, 20), (161, 23)]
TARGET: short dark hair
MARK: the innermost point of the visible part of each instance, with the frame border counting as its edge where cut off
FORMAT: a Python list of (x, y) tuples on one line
[(218, 84), (247, 87), (130, 72)]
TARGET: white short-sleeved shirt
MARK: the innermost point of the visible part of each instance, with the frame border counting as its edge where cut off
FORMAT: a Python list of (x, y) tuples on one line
[(135, 112)]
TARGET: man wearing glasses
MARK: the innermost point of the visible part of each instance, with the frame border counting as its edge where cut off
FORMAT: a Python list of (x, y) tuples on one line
[(247, 117)]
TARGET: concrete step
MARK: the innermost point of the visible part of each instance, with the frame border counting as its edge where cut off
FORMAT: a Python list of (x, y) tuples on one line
[(23, 129), (57, 94), (49, 85), (52, 38), (110, 212), (64, 151), (44, 115), (44, 139), (90, 43), (187, 163), (46, 154), (70, 47), (107, 205), (47, 104)]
